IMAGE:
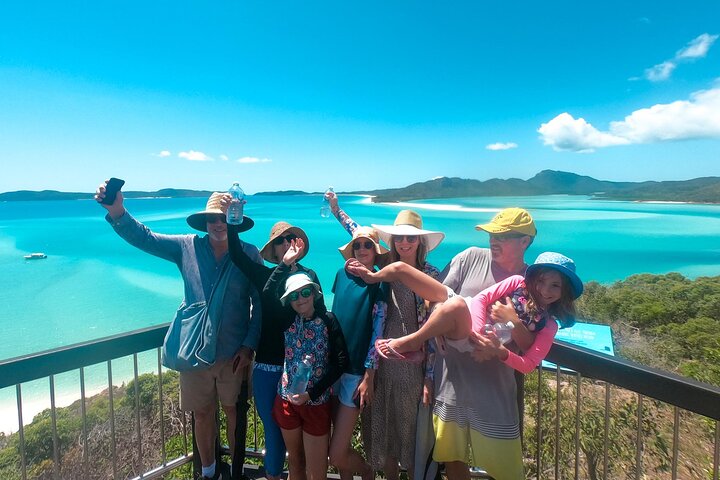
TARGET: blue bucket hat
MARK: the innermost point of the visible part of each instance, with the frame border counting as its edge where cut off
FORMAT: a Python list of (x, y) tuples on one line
[(562, 264)]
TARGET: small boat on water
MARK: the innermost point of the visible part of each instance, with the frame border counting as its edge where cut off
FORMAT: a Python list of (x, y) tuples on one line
[(35, 256)]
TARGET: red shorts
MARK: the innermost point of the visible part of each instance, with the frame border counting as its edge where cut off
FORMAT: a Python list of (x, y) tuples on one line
[(314, 419)]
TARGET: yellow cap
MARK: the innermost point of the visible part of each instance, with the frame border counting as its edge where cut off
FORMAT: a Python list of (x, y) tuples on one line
[(513, 219)]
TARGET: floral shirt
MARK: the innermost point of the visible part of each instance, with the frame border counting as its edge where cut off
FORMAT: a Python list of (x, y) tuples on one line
[(519, 298), (305, 337)]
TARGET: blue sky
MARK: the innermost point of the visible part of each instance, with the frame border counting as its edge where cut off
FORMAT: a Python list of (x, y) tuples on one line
[(359, 95)]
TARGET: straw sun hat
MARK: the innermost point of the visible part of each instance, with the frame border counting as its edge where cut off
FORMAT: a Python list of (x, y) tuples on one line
[(366, 233), (198, 220), (280, 229), (409, 222)]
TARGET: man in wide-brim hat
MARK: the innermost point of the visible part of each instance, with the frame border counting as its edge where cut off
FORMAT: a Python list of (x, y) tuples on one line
[(201, 260)]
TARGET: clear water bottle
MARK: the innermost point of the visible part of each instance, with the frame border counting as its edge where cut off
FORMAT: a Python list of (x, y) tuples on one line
[(300, 379), (503, 331), (325, 210), (235, 210)]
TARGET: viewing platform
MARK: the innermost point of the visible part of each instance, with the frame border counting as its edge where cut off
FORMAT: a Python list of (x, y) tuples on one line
[(593, 416)]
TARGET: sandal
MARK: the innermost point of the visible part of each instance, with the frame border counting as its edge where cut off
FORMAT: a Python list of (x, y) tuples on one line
[(414, 357)]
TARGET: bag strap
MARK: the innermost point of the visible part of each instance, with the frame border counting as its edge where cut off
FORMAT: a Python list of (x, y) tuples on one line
[(221, 281)]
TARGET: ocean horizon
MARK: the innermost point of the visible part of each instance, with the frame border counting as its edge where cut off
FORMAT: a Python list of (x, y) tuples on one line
[(93, 284)]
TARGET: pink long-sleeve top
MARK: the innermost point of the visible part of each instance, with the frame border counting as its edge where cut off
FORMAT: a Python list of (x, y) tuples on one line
[(514, 286)]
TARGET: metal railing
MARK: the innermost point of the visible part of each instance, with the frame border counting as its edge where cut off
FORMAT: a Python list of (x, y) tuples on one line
[(17, 371), (617, 406), (574, 420)]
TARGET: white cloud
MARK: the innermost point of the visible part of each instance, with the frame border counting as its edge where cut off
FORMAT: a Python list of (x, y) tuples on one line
[(224, 158), (253, 160), (501, 146), (567, 133), (660, 72), (698, 117), (194, 156), (697, 48), (162, 154)]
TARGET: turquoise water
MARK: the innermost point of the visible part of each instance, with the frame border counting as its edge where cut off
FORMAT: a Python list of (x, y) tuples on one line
[(93, 284)]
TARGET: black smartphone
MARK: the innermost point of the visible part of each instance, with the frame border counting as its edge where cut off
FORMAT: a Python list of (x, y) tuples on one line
[(111, 189)]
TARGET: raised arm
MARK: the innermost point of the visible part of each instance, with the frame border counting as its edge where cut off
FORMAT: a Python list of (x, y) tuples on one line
[(252, 337), (168, 247), (348, 223), (253, 268)]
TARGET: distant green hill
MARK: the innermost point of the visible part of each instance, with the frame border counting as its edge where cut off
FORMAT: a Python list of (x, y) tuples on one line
[(551, 182), (547, 182), (29, 195)]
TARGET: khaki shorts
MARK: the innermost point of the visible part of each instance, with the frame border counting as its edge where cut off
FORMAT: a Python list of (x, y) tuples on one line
[(202, 388)]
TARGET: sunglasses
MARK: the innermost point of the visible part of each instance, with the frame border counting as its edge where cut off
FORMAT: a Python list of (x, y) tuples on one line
[(504, 237), (405, 238), (215, 218), (367, 245), (305, 292), (280, 240)]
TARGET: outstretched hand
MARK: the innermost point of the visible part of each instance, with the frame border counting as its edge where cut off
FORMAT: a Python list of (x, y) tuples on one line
[(117, 209), (354, 267), (293, 254)]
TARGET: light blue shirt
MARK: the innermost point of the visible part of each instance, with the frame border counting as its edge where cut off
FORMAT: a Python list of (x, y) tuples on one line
[(240, 320)]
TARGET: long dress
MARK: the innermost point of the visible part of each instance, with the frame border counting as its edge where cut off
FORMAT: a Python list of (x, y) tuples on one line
[(388, 424)]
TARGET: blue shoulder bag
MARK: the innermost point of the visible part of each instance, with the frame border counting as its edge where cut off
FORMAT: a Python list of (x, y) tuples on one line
[(191, 339)]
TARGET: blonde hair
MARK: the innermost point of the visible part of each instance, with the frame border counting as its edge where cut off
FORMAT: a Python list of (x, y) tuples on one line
[(420, 253)]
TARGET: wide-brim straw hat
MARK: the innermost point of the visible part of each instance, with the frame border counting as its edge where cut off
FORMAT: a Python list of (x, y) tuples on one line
[(198, 220), (409, 222), (368, 233), (280, 229), (562, 264), (297, 281)]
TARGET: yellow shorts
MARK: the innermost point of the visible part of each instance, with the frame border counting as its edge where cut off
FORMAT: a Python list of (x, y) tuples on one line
[(500, 458)]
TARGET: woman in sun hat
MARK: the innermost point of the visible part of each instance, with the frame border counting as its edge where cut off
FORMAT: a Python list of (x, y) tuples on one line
[(399, 415), (270, 354), (361, 311)]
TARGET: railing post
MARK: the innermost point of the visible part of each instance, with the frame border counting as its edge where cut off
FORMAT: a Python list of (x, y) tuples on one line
[(53, 420), (639, 441), (21, 432), (538, 426), (606, 434), (83, 412)]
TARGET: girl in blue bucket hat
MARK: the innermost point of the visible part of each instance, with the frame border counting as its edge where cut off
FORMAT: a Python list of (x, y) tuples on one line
[(530, 307)]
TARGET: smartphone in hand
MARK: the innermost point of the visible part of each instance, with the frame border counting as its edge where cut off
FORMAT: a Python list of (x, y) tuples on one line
[(111, 190)]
